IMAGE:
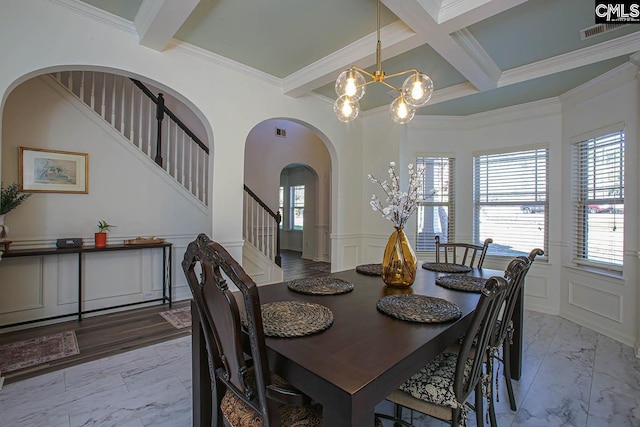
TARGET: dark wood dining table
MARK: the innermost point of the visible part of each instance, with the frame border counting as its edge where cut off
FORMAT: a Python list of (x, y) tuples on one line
[(362, 357)]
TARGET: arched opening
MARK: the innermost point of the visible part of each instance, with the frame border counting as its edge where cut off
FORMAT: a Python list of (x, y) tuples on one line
[(125, 187), (285, 158), (298, 205)]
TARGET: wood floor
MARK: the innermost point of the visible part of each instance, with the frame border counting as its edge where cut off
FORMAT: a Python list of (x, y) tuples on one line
[(109, 334)]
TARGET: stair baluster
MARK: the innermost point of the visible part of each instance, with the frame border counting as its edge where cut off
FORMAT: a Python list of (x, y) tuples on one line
[(113, 98)]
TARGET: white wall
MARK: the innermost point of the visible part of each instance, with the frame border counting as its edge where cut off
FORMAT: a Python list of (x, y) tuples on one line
[(606, 302), (214, 88), (60, 38), (125, 189)]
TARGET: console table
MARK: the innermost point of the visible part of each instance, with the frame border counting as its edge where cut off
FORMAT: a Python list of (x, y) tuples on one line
[(166, 273)]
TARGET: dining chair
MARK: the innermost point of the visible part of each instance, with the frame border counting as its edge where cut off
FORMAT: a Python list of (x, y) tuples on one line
[(245, 392), (462, 253), (502, 339), (442, 387)]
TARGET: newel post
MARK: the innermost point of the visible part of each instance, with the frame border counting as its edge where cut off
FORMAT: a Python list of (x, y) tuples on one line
[(159, 118)]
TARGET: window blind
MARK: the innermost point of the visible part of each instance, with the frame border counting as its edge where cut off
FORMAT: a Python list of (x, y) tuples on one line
[(599, 200), (511, 201), (436, 212), (297, 207)]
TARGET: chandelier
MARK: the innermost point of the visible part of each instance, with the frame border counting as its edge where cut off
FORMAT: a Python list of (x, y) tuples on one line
[(351, 84)]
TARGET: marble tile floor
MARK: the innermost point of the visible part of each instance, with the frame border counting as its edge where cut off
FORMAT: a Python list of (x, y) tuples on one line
[(572, 376)]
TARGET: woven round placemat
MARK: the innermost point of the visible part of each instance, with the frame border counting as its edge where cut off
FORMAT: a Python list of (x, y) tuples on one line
[(418, 308), (325, 285), (462, 283), (288, 319), (370, 269), (446, 267)]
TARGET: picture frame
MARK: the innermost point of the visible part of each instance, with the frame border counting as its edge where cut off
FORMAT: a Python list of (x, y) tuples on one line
[(53, 171)]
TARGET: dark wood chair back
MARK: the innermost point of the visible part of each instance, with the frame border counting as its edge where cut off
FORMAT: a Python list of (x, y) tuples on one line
[(462, 253), (515, 273), (247, 374), (477, 339)]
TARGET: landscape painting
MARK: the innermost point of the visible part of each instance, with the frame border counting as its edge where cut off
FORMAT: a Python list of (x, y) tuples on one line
[(53, 171)]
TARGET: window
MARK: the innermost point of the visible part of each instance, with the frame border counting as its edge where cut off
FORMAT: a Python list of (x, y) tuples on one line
[(510, 201), (296, 218), (435, 210), (599, 202)]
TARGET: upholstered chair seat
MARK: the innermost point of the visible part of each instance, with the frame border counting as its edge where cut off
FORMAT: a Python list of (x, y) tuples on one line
[(433, 385), (239, 414)]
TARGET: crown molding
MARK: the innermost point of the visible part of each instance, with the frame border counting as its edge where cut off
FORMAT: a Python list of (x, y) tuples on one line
[(94, 13), (543, 108), (476, 52), (606, 50), (610, 80), (225, 62)]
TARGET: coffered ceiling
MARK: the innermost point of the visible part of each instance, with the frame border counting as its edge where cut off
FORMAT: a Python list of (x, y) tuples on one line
[(480, 54)]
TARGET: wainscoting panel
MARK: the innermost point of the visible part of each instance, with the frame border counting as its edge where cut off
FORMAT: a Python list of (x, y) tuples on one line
[(21, 284), (596, 301), (536, 286)]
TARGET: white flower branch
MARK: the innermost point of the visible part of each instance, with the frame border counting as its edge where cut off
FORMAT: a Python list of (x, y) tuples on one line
[(400, 205)]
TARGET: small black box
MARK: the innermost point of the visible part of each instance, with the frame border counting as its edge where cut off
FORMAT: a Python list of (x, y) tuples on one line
[(72, 242)]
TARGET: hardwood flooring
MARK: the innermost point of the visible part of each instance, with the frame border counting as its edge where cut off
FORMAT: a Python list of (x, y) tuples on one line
[(295, 267), (110, 334)]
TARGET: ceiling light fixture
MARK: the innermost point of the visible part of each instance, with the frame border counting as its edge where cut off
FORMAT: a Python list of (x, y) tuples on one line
[(350, 88)]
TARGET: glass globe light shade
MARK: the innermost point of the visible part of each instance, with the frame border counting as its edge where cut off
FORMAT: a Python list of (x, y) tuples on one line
[(401, 112), (346, 108), (417, 90), (350, 83)]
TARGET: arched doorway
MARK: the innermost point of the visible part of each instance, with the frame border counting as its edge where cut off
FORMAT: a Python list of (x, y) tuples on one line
[(299, 208), (282, 145)]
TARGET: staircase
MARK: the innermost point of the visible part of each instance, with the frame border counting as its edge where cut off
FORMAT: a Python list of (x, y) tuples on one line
[(139, 116), (261, 232)]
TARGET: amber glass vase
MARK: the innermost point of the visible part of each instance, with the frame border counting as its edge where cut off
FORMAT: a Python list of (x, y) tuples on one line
[(399, 263)]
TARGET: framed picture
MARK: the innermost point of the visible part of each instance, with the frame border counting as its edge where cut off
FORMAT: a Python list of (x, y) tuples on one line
[(51, 171)]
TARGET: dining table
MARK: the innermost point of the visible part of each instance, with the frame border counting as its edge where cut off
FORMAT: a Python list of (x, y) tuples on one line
[(363, 356)]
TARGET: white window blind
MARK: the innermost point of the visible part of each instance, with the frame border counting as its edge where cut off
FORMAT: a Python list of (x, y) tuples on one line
[(599, 205), (511, 201), (435, 213)]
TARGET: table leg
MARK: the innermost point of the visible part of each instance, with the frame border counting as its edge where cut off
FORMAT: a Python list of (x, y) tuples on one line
[(333, 417), (79, 285), (516, 346), (201, 383), (170, 277)]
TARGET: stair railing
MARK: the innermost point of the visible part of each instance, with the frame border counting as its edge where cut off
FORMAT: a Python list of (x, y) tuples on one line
[(138, 115), (261, 226)]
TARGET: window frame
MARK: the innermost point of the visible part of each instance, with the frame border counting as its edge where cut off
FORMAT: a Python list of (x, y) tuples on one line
[(293, 206), (431, 202), (540, 198), (582, 198)]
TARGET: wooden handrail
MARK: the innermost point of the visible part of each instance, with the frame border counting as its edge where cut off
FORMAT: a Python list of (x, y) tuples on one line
[(277, 217), (262, 204), (169, 113)]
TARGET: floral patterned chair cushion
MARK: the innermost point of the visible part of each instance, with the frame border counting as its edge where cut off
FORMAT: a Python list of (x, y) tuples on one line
[(434, 382), (239, 414)]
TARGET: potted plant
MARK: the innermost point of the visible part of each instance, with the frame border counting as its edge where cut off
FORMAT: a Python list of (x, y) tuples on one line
[(101, 236), (11, 198)]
